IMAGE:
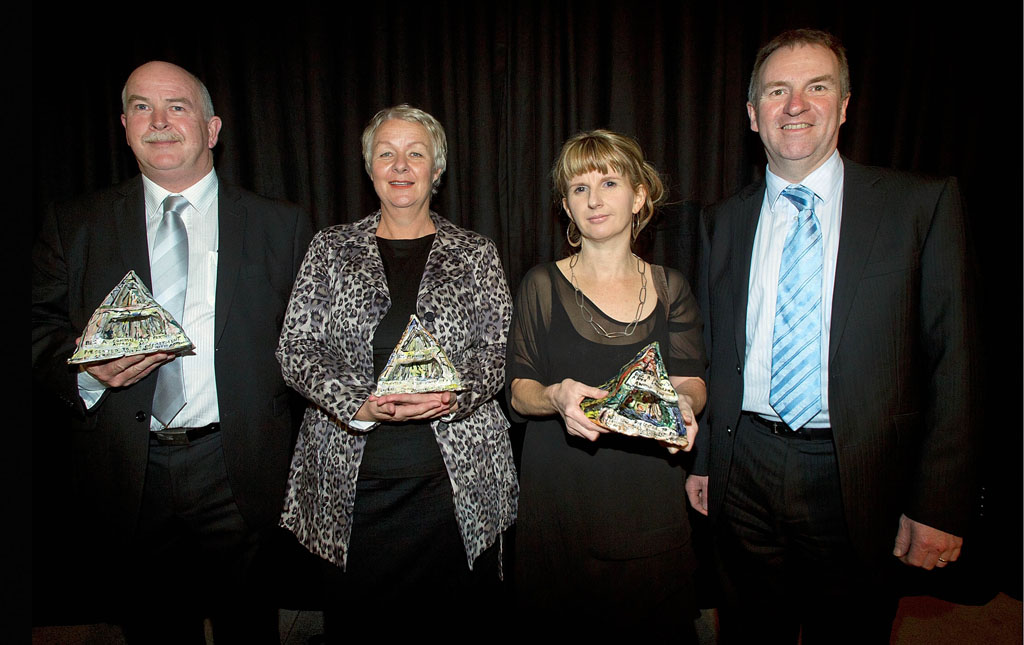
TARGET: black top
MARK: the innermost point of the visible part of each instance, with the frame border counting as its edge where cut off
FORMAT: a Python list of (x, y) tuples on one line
[(395, 450)]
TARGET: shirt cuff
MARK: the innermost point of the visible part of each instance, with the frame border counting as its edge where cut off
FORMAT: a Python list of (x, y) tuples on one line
[(359, 424), (89, 389)]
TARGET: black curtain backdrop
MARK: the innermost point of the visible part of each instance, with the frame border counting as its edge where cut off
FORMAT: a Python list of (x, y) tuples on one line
[(935, 90), (510, 82)]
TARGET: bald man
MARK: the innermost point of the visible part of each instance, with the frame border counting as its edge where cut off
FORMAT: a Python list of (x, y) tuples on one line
[(179, 494)]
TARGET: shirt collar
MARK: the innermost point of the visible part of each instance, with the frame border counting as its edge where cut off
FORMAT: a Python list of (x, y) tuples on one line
[(824, 181), (200, 194)]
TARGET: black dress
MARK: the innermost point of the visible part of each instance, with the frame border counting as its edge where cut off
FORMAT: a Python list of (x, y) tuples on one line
[(602, 525)]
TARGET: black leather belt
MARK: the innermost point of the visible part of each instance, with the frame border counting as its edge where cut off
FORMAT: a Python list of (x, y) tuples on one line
[(181, 436), (781, 429)]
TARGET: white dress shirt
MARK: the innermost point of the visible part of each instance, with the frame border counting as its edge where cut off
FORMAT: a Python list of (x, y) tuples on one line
[(777, 217), (198, 320)]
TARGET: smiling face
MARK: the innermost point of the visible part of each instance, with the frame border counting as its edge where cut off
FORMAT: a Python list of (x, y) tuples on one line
[(166, 127), (799, 109), (602, 204), (402, 167)]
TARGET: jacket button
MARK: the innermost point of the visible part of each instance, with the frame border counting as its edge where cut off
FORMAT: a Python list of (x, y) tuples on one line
[(739, 368), (429, 316), (140, 416), (728, 429)]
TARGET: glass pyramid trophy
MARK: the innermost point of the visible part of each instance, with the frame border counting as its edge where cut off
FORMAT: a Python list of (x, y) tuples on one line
[(641, 401), (418, 364), (129, 321)]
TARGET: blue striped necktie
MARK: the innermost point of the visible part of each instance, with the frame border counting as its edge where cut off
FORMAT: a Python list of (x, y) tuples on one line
[(796, 348), (170, 278)]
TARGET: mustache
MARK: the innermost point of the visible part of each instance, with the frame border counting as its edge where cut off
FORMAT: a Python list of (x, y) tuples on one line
[(154, 137)]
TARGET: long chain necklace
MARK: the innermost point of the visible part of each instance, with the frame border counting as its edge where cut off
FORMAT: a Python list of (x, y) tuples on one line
[(589, 317)]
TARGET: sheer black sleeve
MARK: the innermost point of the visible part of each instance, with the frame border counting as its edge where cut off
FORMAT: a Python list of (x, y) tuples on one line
[(531, 320), (685, 356)]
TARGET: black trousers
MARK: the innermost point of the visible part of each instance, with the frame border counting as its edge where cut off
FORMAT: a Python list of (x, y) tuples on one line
[(789, 568), (192, 553)]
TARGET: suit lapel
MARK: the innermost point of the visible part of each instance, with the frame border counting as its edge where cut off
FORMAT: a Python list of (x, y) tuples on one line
[(231, 215), (743, 242), (130, 228), (862, 211)]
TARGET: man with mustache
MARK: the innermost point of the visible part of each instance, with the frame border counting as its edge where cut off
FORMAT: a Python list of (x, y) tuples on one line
[(841, 412), (180, 461)]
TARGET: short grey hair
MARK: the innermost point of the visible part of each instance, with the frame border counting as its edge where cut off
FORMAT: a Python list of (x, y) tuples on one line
[(794, 38), (205, 102), (405, 112)]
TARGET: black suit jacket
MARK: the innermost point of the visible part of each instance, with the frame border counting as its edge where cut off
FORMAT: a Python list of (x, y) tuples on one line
[(902, 382), (83, 249)]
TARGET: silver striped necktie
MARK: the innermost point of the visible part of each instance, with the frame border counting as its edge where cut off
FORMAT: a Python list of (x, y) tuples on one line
[(170, 280)]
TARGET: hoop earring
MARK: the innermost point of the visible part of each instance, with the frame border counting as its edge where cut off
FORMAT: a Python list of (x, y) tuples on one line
[(569, 230), (635, 226)]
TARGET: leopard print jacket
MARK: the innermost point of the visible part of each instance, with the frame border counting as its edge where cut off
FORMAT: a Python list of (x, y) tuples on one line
[(339, 298)]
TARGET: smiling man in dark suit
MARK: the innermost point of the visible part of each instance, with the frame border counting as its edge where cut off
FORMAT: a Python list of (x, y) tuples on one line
[(840, 416), (180, 461)]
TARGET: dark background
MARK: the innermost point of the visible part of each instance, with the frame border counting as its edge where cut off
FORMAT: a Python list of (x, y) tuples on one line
[(933, 91)]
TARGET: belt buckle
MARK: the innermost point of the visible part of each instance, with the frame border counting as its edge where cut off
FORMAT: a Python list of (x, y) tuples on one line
[(167, 438)]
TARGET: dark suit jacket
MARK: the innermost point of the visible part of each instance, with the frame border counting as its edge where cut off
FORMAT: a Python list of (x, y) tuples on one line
[(83, 249), (902, 382)]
